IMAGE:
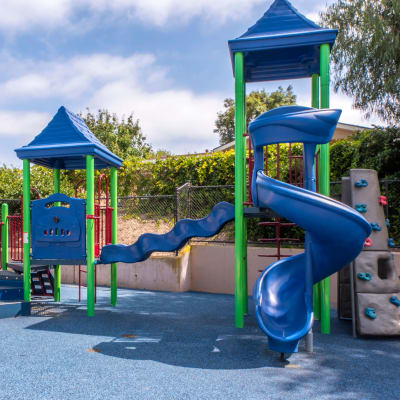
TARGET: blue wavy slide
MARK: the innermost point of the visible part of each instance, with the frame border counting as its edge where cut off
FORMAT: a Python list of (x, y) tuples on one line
[(335, 233), (184, 230)]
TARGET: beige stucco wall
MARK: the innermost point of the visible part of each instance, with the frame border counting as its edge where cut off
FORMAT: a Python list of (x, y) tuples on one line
[(166, 272), (203, 267)]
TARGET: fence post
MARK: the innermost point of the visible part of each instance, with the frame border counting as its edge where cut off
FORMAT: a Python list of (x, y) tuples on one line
[(190, 200), (4, 236), (177, 204), (177, 211)]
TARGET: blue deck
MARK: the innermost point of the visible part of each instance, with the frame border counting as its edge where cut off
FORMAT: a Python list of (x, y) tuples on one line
[(186, 347)]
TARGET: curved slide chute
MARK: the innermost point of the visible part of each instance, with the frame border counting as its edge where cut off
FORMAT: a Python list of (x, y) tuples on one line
[(335, 233), (184, 230)]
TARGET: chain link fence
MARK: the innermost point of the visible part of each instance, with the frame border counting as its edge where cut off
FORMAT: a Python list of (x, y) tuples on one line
[(159, 213)]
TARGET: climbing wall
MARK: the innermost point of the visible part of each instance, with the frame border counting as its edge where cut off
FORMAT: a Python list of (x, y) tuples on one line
[(371, 282)]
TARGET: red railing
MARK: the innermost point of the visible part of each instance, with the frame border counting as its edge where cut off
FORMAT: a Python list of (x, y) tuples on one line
[(16, 232), (16, 237), (296, 177)]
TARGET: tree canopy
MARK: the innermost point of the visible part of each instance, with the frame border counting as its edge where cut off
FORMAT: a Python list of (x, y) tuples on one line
[(257, 102), (367, 54), (123, 137)]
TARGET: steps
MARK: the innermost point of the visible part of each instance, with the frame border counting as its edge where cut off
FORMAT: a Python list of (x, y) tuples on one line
[(42, 283)]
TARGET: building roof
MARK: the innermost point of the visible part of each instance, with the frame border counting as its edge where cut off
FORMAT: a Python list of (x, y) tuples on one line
[(64, 144), (265, 45), (342, 131)]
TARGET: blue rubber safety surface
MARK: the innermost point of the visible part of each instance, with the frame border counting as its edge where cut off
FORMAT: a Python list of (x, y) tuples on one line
[(180, 346)]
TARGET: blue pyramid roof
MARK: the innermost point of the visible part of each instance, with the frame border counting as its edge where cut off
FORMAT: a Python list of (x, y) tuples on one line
[(64, 144), (283, 44)]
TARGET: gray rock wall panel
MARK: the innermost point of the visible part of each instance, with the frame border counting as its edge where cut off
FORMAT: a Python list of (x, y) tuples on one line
[(387, 322), (369, 196), (382, 270)]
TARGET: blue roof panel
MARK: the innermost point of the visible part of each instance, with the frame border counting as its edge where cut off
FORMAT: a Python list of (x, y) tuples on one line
[(283, 44), (64, 144), (280, 18)]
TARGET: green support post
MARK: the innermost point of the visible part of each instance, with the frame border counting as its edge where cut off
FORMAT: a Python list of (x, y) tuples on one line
[(315, 90), (26, 227), (317, 286), (114, 205), (90, 234), (240, 292), (57, 270), (4, 236), (324, 180)]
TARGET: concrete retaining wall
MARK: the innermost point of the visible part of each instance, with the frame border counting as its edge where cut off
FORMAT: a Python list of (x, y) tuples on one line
[(199, 267)]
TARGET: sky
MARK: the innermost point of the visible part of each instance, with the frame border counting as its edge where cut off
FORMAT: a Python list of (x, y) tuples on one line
[(167, 61)]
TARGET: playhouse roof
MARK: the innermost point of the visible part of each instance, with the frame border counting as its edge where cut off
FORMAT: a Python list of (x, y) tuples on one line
[(283, 44), (65, 142)]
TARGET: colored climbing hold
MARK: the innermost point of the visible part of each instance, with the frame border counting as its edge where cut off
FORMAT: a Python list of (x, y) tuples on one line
[(368, 242), (391, 242), (383, 200), (375, 226), (395, 300), (361, 183), (387, 222), (361, 208), (370, 312), (365, 276)]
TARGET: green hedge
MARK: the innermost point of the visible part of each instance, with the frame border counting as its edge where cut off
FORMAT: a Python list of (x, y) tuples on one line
[(375, 149)]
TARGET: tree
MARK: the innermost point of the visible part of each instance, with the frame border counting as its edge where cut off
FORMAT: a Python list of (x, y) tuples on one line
[(257, 102), (123, 137), (367, 54)]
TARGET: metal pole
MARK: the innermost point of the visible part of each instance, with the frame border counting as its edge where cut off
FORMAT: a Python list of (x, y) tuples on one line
[(240, 293), (26, 226), (353, 301), (246, 198), (317, 286), (57, 268), (324, 180), (4, 236), (114, 205), (177, 190), (309, 184), (90, 234)]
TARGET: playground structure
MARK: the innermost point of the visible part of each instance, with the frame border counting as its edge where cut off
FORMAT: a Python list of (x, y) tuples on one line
[(369, 288), (283, 44), (64, 230)]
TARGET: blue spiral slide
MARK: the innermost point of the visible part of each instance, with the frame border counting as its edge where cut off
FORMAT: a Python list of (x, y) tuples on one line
[(335, 233)]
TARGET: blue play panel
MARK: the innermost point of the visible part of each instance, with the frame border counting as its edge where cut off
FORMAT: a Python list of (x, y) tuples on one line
[(11, 286)]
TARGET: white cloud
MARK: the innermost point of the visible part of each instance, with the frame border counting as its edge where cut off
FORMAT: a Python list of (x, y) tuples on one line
[(175, 119), (341, 101), (23, 14), (71, 78), (22, 123), (349, 114)]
